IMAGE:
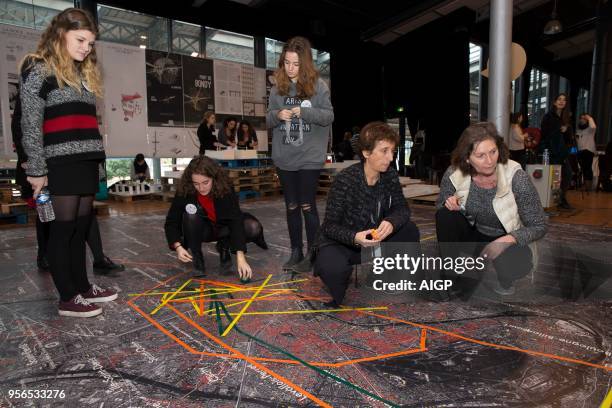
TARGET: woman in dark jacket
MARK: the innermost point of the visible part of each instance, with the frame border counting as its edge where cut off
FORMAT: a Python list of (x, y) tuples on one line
[(208, 141), (365, 207), (205, 209), (557, 134), (247, 137)]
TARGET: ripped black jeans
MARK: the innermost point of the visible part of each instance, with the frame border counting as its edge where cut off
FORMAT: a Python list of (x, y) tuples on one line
[(300, 191)]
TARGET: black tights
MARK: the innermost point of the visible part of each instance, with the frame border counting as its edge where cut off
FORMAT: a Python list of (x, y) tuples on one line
[(198, 228), (66, 246), (300, 190)]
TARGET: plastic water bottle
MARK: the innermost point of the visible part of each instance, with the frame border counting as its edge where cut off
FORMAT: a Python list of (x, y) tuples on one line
[(44, 206), (545, 157)]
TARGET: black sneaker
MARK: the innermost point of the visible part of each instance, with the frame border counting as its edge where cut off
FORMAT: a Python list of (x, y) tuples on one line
[(295, 258), (42, 263), (107, 267)]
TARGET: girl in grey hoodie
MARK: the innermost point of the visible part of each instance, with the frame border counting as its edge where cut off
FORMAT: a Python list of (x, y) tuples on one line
[(300, 115)]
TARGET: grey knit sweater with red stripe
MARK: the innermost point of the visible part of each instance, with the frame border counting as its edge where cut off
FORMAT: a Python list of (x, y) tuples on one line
[(59, 124)]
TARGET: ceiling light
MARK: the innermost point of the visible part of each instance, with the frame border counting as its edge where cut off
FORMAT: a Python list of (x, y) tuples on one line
[(554, 25), (143, 46), (194, 54)]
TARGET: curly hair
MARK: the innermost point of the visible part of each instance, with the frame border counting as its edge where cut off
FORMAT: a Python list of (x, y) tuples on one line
[(471, 136), (308, 74), (53, 53), (374, 132), (205, 166)]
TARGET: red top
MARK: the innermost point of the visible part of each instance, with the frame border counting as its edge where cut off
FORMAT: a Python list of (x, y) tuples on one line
[(209, 206)]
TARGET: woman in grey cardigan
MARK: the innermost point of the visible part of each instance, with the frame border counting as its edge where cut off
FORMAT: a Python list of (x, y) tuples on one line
[(300, 114), (487, 198)]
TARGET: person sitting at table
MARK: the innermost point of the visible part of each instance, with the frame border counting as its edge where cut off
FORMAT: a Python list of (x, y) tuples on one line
[(205, 209), (140, 169), (365, 207)]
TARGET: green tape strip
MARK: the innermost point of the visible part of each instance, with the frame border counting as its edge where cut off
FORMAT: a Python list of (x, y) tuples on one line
[(279, 350)]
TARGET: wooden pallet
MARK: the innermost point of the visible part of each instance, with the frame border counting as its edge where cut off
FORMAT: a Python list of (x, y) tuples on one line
[(101, 208), (10, 208), (165, 196), (429, 200), (128, 198)]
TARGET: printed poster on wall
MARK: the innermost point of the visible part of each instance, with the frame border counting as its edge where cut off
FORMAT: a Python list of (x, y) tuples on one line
[(172, 141), (198, 89), (164, 89), (228, 87), (15, 43), (124, 104)]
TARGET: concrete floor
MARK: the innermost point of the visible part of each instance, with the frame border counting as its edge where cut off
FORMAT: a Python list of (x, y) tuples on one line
[(161, 343)]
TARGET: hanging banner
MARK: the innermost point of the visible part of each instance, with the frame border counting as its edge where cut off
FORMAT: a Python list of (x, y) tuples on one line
[(15, 43), (228, 87), (198, 89), (124, 119), (164, 89)]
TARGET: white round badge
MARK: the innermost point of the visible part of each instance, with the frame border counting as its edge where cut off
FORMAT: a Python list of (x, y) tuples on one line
[(191, 209), (306, 104)]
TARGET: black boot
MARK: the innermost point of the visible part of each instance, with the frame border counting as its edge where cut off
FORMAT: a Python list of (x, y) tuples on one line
[(305, 265), (225, 257), (107, 267), (295, 258), (199, 267), (42, 263)]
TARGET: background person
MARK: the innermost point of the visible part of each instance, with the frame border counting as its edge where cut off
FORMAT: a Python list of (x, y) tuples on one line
[(516, 139), (585, 139), (247, 137), (227, 134), (206, 136), (557, 135), (140, 169)]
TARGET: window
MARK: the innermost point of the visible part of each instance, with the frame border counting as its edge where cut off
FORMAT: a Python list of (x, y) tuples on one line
[(474, 70), (229, 46), (186, 38), (35, 14), (273, 51), (537, 101), (129, 27), (564, 85), (321, 61)]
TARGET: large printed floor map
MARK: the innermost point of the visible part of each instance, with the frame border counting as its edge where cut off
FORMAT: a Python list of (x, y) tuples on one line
[(174, 339)]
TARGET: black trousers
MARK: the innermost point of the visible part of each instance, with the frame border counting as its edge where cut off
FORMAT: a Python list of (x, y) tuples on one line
[(197, 228), (300, 191), (585, 158), (456, 238), (334, 262)]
